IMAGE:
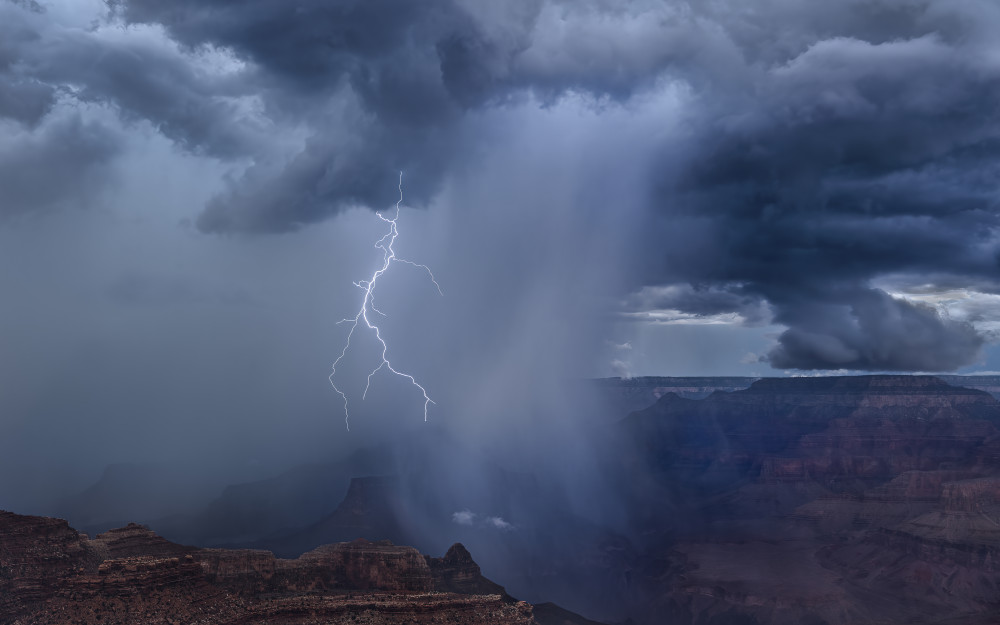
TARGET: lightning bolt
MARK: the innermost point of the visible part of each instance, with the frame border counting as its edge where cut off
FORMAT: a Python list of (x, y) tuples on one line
[(368, 304)]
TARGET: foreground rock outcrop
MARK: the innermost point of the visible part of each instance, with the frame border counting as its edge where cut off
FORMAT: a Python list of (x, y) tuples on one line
[(50, 573)]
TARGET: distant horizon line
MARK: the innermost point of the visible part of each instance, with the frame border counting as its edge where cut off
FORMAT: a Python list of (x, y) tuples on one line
[(985, 374)]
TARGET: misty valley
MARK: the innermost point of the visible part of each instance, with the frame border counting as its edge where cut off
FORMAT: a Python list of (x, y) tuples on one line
[(820, 500)]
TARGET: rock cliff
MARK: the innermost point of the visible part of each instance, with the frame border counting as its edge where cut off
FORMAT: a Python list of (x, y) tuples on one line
[(872, 499), (50, 573)]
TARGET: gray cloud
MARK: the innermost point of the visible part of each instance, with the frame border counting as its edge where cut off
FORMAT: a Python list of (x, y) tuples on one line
[(400, 73), (702, 300), (330, 174), (858, 151), (73, 95), (810, 151), (199, 108), (25, 100), (867, 329), (64, 162)]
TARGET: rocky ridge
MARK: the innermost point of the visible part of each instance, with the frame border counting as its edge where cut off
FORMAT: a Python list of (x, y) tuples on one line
[(50, 573), (872, 499)]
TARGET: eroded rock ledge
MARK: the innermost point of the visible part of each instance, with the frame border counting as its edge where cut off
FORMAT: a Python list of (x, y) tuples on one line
[(50, 573)]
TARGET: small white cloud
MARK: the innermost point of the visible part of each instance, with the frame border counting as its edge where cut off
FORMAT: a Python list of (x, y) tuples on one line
[(750, 358), (499, 523), (626, 346), (818, 374), (471, 519), (621, 368)]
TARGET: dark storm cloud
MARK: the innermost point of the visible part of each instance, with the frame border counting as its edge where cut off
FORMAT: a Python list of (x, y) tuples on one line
[(22, 96), (842, 161), (932, 283), (825, 147), (819, 148), (64, 162), (157, 86), (701, 300), (402, 58), (405, 71), (56, 149), (857, 159), (25, 100), (409, 74), (868, 329), (146, 80), (40, 166), (327, 175)]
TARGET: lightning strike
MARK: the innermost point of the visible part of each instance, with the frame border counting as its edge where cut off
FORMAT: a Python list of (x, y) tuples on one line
[(368, 304)]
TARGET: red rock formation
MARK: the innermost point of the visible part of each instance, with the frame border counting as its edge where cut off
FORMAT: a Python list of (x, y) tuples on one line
[(37, 557), (873, 499), (458, 572), (49, 573), (136, 540), (364, 565)]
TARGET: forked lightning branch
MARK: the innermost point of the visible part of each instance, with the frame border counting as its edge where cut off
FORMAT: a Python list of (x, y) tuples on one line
[(363, 317)]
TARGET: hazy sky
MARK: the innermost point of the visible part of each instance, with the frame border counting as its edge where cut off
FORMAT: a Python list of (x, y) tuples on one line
[(187, 191)]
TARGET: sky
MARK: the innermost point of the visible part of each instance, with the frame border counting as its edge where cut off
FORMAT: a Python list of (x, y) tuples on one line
[(189, 190)]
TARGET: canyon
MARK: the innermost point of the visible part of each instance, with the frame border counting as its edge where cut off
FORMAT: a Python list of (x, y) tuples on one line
[(867, 499), (824, 501)]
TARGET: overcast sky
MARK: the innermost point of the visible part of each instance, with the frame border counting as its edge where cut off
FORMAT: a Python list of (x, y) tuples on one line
[(188, 191)]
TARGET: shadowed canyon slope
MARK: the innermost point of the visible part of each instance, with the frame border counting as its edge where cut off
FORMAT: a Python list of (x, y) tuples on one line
[(818, 500)]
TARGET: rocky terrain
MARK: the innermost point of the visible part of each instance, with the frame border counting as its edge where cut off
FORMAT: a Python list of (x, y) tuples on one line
[(870, 500), (625, 395), (50, 573), (988, 383), (817, 500)]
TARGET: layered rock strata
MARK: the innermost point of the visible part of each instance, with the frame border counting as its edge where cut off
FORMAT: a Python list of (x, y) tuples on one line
[(828, 501), (50, 573)]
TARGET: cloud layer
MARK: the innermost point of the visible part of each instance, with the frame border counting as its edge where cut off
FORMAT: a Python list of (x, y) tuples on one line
[(785, 158)]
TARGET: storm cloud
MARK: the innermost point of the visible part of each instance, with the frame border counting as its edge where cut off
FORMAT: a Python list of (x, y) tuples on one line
[(188, 198), (845, 160), (787, 158)]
